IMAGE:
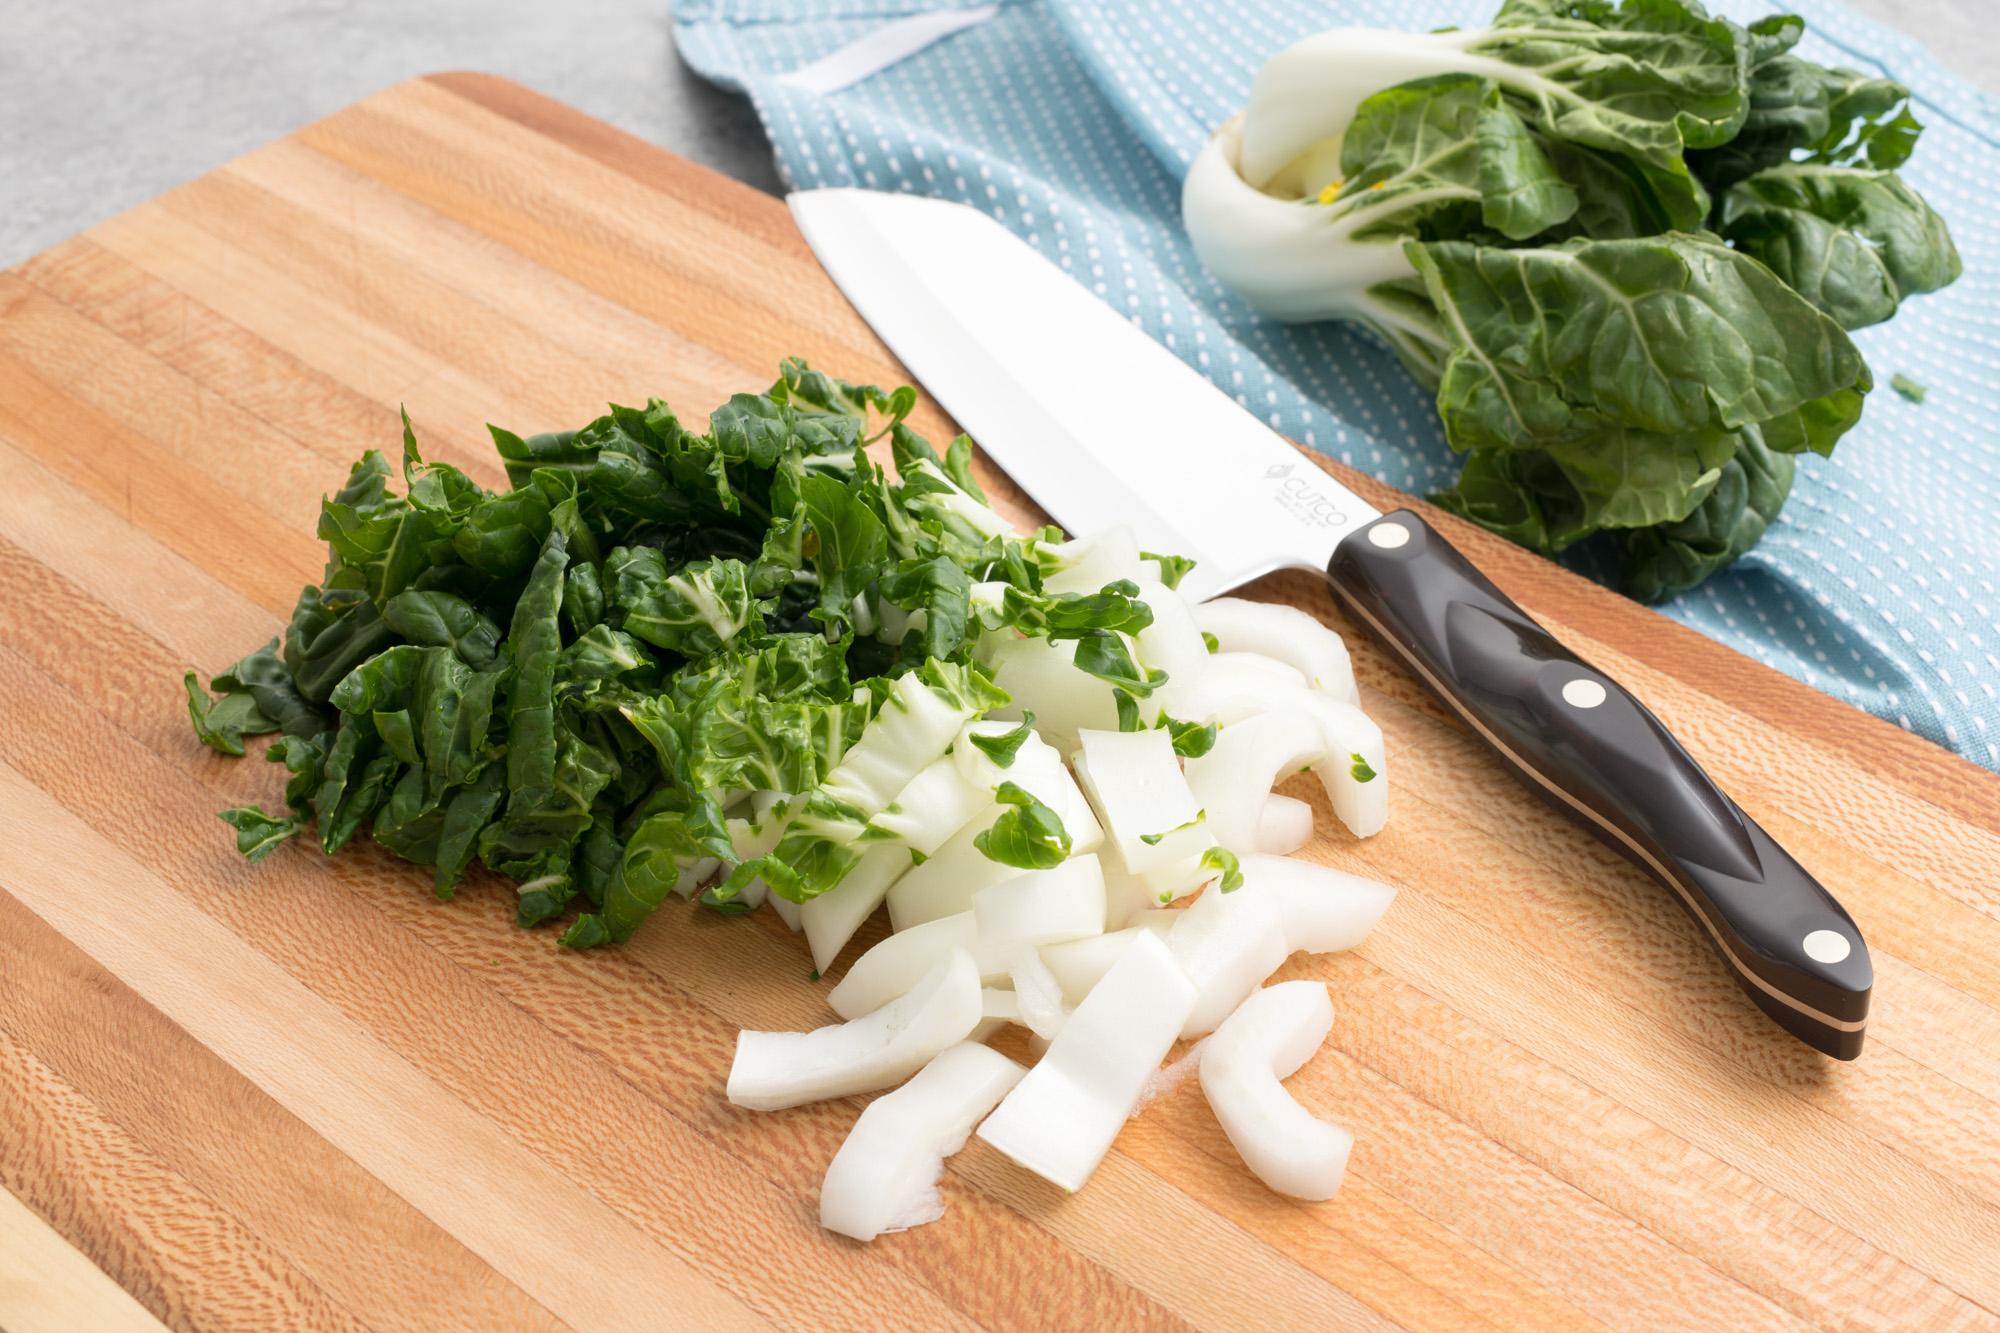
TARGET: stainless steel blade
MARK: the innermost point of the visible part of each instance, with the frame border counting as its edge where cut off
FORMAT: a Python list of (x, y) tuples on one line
[(1098, 422)]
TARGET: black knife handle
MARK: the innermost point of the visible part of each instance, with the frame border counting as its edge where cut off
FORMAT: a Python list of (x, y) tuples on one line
[(1593, 751)]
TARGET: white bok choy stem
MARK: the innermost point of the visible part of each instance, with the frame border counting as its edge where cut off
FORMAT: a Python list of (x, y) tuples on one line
[(997, 1008), (1288, 259), (1268, 1037), (935, 804), (914, 726), (884, 1178), (1325, 910), (1356, 774), (832, 919), (753, 835), (1303, 729), (1284, 826), (1232, 781), (944, 884), (1227, 944), (895, 965), (1013, 918), (1173, 642), (1041, 677), (1086, 564), (1304, 98), (1284, 634), (1078, 965), (1038, 996), (774, 1070), (1060, 1120), (1151, 818), (1228, 688)]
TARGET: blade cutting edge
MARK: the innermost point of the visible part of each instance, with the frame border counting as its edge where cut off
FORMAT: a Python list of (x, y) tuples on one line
[(1101, 424)]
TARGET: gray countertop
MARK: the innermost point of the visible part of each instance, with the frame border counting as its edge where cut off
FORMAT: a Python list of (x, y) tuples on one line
[(105, 103)]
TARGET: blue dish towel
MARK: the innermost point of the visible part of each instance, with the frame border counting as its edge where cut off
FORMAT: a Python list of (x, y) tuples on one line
[(1073, 121)]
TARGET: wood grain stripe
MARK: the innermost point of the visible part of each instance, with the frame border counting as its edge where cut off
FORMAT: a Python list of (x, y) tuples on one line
[(47, 1287), (585, 1264)]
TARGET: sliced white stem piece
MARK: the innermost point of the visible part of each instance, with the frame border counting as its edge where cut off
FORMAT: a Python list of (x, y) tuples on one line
[(1065, 902), (1037, 995), (832, 918), (1286, 634), (756, 833), (695, 874), (774, 1070), (1039, 770), (944, 884), (1233, 780), (977, 769), (997, 1008), (1160, 920), (914, 726), (1283, 826), (1124, 892), (1227, 944), (789, 912), (1041, 677), (1228, 688), (1167, 1079), (1173, 642), (1079, 965), (1358, 792), (1273, 1033), (898, 963), (884, 1178), (1086, 564), (935, 804), (1324, 910), (1060, 1120), (1135, 783)]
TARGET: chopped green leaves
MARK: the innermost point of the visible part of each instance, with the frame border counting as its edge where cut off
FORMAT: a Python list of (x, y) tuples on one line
[(1173, 568), (1128, 711), (1027, 834), (1001, 749), (1107, 656), (1224, 863), (258, 834), (222, 723), (1357, 766), (1191, 741), (1908, 387), (578, 680)]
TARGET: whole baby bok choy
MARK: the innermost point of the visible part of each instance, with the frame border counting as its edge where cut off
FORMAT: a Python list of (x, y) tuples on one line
[(1623, 242)]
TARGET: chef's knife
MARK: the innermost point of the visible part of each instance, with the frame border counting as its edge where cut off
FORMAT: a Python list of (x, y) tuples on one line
[(1104, 426)]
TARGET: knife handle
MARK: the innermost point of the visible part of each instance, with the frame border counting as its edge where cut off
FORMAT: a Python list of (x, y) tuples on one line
[(1583, 743)]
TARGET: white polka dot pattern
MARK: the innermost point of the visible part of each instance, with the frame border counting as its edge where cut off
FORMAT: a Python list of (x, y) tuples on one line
[(1071, 122)]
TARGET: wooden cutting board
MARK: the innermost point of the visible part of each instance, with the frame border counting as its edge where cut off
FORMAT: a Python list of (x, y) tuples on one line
[(304, 1093)]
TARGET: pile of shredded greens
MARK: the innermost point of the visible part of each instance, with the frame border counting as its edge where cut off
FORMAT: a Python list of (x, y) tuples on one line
[(579, 680)]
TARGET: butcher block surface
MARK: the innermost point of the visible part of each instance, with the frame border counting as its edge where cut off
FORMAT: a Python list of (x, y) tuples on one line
[(305, 1094)]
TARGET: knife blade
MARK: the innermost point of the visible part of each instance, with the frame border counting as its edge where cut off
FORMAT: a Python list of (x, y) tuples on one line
[(1104, 426)]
